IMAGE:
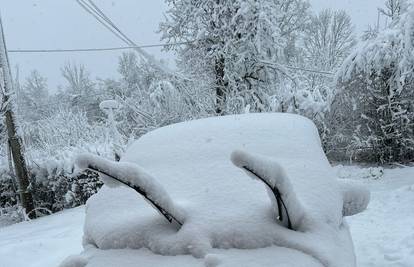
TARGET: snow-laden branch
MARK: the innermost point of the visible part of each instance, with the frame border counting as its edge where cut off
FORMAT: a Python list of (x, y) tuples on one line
[(391, 49)]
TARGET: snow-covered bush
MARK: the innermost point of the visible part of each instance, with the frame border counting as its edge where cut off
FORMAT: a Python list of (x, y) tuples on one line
[(10, 211), (372, 115), (62, 130), (51, 143), (51, 192), (8, 197), (64, 190)]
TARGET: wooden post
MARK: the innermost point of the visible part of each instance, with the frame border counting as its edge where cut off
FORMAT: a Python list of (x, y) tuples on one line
[(6, 85)]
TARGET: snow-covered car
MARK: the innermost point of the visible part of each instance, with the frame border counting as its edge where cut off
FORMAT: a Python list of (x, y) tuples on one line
[(180, 196)]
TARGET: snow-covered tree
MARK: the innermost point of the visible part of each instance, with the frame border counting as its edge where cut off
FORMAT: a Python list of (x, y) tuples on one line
[(79, 92), (328, 39), (78, 79), (33, 97), (376, 96), (393, 8), (229, 41), (325, 41), (293, 18), (150, 98), (136, 76)]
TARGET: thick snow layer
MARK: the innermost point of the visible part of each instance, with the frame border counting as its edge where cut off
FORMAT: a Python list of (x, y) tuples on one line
[(222, 207), (265, 257), (109, 104), (43, 242), (382, 234), (356, 197)]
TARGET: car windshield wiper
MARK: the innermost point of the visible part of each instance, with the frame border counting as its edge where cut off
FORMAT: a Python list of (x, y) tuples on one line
[(137, 179), (170, 218), (276, 193)]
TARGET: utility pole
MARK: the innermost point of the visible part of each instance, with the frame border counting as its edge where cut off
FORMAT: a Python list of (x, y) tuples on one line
[(14, 141)]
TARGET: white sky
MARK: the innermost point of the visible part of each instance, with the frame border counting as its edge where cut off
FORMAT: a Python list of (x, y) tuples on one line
[(54, 24)]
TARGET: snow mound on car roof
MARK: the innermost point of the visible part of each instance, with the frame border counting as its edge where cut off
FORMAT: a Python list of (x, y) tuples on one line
[(222, 207)]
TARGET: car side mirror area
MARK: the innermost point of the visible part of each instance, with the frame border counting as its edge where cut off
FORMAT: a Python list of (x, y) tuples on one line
[(356, 196)]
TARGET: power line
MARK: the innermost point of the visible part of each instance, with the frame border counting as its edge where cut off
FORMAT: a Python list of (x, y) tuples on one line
[(101, 20), (104, 49), (109, 21), (296, 68), (94, 49), (100, 16)]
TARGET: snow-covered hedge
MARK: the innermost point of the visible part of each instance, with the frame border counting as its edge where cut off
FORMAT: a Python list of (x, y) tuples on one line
[(50, 147), (51, 192)]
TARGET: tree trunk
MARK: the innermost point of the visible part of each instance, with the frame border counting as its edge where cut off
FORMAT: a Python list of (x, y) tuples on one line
[(19, 165), (220, 86)]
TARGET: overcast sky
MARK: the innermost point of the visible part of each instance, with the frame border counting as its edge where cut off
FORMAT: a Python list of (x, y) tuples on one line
[(61, 24)]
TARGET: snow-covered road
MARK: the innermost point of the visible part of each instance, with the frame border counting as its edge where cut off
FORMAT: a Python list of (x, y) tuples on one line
[(383, 235)]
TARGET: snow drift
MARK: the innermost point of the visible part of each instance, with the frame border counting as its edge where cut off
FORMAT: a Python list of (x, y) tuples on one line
[(219, 206)]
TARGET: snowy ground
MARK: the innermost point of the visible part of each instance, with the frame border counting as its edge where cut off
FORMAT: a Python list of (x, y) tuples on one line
[(383, 235), (44, 242)]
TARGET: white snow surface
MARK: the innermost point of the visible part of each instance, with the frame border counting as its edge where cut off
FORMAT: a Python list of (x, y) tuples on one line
[(356, 197), (109, 104), (223, 208), (269, 256), (44, 242), (383, 234)]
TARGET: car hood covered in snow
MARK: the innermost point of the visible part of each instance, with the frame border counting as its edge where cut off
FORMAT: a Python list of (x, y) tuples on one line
[(228, 219)]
